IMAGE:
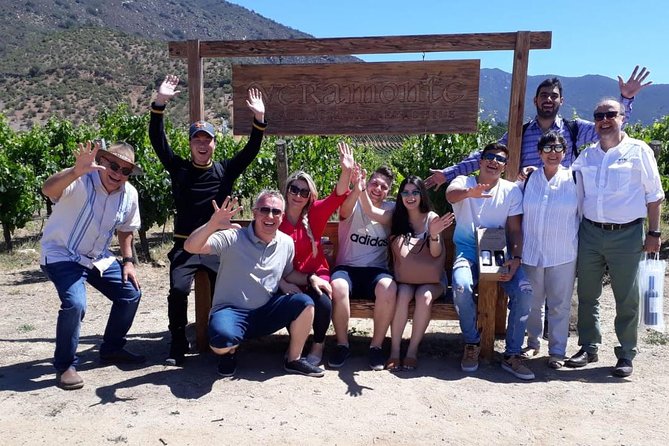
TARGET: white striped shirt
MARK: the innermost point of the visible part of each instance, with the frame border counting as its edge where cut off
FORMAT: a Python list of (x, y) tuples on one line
[(83, 222), (550, 219)]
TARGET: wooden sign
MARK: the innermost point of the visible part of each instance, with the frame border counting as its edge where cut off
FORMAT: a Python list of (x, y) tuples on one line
[(361, 98)]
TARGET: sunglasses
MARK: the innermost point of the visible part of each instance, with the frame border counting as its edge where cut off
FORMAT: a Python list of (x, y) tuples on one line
[(491, 156), (548, 148), (413, 193), (599, 116), (116, 167), (294, 190), (274, 212)]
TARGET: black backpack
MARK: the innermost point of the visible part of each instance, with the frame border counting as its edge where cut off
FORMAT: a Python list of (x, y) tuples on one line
[(572, 128)]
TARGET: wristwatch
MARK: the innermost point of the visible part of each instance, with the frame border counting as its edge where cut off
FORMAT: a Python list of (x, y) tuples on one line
[(128, 260), (655, 233)]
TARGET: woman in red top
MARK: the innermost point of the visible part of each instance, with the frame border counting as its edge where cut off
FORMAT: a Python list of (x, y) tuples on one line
[(305, 220)]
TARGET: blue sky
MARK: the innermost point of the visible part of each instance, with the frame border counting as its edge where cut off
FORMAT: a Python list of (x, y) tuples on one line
[(589, 37)]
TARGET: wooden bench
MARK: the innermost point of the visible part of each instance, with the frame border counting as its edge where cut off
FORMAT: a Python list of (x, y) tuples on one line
[(491, 302)]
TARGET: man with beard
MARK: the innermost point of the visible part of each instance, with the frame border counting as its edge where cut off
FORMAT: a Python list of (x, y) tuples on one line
[(548, 99)]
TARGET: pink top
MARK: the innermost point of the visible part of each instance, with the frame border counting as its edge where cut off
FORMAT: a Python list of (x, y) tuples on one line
[(319, 213)]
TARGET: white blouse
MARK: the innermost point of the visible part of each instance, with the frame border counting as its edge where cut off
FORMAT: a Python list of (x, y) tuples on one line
[(550, 219)]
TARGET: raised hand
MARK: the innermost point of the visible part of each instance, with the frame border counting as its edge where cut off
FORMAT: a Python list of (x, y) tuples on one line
[(167, 89), (440, 223), (435, 180), (634, 84), (360, 175), (85, 158), (222, 216), (479, 191), (256, 104), (346, 160)]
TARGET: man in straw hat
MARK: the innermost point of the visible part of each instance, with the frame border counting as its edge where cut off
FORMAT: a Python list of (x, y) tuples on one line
[(93, 199)]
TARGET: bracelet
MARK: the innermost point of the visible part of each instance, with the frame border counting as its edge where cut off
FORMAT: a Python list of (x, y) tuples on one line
[(128, 260), (435, 238), (518, 257)]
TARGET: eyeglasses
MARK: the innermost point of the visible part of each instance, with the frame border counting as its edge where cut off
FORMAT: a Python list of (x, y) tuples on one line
[(599, 116), (116, 167), (548, 148), (294, 190), (491, 156), (412, 193), (274, 212)]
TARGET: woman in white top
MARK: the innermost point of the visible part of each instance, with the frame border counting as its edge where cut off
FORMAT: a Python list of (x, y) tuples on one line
[(412, 221), (550, 243)]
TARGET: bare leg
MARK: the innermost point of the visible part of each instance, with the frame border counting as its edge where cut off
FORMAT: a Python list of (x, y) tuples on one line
[(425, 295), (341, 310), (404, 295), (299, 332), (384, 308)]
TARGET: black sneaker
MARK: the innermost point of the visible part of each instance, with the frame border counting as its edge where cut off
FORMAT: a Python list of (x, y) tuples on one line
[(302, 367), (178, 349), (227, 364), (376, 358), (339, 356)]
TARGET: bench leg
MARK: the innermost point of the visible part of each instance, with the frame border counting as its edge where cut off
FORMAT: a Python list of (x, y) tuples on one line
[(202, 308), (501, 312), (486, 318)]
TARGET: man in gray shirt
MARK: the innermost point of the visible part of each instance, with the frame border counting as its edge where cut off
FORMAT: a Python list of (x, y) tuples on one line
[(247, 302)]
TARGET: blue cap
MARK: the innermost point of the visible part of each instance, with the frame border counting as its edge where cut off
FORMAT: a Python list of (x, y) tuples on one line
[(201, 126)]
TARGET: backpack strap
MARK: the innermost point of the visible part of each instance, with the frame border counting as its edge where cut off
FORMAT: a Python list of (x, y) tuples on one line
[(572, 128)]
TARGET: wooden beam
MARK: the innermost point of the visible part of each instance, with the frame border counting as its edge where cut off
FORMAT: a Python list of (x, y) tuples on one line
[(195, 81), (517, 102), (362, 45)]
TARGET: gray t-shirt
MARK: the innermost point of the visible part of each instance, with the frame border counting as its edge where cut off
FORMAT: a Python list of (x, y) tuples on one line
[(362, 241), (250, 269)]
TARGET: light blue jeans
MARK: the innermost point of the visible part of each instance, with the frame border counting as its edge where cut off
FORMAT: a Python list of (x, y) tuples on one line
[(519, 290), (70, 280)]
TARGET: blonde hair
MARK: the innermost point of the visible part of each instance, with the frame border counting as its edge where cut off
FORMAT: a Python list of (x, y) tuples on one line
[(313, 196)]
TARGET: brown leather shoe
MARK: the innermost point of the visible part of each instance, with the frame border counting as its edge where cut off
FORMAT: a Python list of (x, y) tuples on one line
[(69, 380)]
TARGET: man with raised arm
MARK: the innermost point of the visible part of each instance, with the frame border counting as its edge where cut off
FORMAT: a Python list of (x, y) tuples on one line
[(362, 268), (547, 100), (195, 183), (93, 200), (489, 201), (247, 301), (621, 187)]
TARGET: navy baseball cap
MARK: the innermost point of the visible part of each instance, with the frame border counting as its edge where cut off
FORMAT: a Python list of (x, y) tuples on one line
[(201, 126)]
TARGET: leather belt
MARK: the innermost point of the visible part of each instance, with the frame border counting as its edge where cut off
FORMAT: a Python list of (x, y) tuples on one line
[(614, 226)]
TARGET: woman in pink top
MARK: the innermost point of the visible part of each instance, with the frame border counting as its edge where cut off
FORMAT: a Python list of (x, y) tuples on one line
[(305, 220)]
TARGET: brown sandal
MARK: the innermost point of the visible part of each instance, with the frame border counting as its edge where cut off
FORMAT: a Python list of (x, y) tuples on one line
[(410, 364), (393, 364)]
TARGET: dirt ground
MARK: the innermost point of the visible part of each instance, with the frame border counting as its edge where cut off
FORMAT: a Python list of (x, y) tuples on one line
[(157, 404)]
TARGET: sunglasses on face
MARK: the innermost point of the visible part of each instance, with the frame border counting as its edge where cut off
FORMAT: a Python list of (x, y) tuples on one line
[(116, 167), (294, 190), (491, 156), (548, 148), (413, 193), (599, 116), (274, 212)]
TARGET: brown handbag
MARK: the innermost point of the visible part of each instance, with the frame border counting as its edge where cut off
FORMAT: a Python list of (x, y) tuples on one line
[(412, 261)]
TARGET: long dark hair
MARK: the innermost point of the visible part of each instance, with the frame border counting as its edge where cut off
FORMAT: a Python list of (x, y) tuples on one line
[(400, 221)]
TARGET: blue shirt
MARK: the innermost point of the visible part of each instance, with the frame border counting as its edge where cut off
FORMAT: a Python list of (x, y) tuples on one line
[(529, 154)]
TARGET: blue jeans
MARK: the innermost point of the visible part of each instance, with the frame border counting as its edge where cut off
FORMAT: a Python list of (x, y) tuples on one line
[(69, 279), (519, 290), (229, 326)]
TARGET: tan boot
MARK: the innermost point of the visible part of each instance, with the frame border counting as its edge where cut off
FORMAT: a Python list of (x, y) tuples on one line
[(69, 379)]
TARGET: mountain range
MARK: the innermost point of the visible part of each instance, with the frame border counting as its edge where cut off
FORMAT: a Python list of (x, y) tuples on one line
[(69, 58)]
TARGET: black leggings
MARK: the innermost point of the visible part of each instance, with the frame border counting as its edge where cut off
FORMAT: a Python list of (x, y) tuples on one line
[(322, 313)]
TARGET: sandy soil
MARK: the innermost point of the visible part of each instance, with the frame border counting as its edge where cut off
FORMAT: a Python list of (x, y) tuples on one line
[(437, 404)]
